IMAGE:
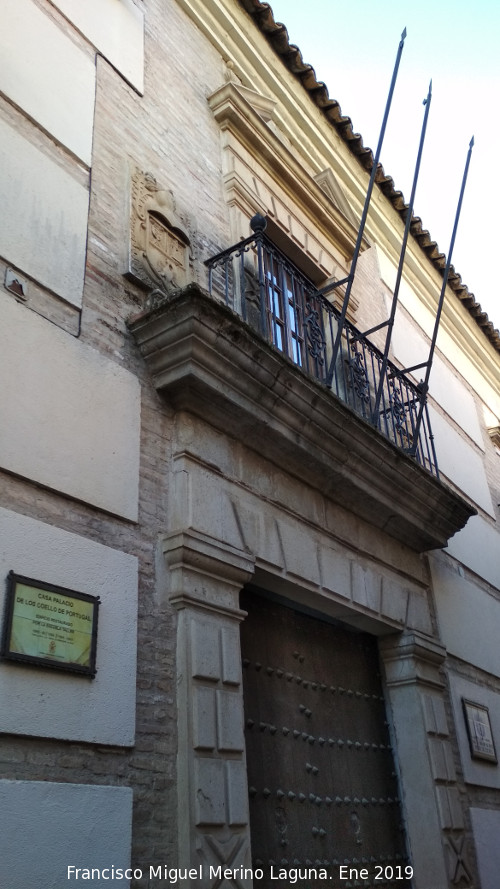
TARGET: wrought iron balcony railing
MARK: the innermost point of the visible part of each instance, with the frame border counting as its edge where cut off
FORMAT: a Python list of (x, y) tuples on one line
[(265, 288)]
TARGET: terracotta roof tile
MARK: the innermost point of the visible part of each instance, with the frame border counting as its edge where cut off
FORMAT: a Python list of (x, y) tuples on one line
[(277, 35)]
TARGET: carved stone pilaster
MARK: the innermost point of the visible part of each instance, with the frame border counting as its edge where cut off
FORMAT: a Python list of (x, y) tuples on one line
[(416, 694), (206, 577)]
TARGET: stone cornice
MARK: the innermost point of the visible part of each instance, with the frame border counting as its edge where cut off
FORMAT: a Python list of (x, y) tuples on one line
[(207, 555), (206, 574), (206, 361)]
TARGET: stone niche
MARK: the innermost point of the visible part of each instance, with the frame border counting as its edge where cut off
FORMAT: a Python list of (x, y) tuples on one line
[(159, 255)]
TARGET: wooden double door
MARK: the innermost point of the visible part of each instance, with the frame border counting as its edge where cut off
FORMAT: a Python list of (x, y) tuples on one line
[(322, 783)]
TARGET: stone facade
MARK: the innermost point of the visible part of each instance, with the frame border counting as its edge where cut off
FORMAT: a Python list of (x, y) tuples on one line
[(157, 452)]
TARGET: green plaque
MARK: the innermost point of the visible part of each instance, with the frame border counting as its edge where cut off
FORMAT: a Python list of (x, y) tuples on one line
[(49, 626)]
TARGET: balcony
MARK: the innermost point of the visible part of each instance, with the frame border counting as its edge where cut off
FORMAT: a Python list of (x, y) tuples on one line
[(207, 356), (256, 280)]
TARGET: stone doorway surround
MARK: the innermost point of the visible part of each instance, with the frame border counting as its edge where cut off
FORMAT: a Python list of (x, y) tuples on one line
[(214, 830), (276, 481)]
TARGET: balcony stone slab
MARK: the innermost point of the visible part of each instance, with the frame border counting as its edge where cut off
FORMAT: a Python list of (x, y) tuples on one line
[(205, 360)]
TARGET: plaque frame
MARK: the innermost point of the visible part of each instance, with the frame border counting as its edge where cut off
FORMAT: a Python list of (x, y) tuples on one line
[(480, 748), (48, 628)]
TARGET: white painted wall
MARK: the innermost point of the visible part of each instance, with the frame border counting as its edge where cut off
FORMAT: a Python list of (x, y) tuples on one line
[(43, 72), (476, 771), (70, 416), (460, 462), (44, 827), (43, 223), (478, 547), (465, 363), (115, 28), (52, 704), (486, 830), (468, 616), (410, 348), (455, 399)]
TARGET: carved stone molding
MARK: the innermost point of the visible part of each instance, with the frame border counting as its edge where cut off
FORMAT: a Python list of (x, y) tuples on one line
[(232, 853), (459, 868), (159, 239), (410, 658), (494, 433), (206, 573), (262, 105), (328, 183)]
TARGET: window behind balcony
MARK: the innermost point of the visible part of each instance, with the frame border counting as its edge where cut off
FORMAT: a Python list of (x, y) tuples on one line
[(293, 320), (284, 306)]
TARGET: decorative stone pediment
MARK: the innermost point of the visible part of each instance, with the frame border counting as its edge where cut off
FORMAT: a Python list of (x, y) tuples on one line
[(327, 181), (263, 174), (159, 239), (264, 106)]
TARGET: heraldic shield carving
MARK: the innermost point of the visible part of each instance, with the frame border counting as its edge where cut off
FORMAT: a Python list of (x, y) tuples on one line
[(159, 242)]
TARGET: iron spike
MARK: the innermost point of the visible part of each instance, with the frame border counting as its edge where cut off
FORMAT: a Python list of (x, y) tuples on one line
[(409, 217), (359, 238), (424, 385)]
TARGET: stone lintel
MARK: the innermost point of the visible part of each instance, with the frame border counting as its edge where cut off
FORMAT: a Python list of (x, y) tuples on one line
[(207, 361), (410, 658)]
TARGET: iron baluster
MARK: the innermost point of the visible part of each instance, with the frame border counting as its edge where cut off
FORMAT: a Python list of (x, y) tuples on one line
[(359, 376), (314, 333), (398, 409), (262, 289), (242, 285), (433, 464), (226, 281)]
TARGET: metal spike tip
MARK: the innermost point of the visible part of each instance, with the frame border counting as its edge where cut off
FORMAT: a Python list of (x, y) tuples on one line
[(403, 35), (471, 143)]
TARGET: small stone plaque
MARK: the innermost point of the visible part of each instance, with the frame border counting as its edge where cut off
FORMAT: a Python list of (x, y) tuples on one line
[(477, 720)]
